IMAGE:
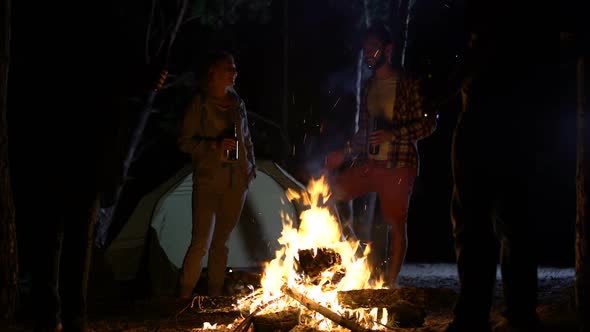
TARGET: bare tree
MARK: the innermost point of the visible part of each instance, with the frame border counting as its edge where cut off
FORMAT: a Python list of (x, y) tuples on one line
[(106, 214), (285, 83), (8, 250), (582, 218)]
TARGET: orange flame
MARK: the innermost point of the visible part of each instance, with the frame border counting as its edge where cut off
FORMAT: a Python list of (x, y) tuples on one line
[(318, 228)]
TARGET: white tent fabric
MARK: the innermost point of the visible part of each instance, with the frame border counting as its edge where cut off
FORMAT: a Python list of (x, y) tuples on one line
[(165, 213), (265, 199)]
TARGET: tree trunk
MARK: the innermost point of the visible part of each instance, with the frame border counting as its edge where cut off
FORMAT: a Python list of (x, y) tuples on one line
[(8, 253), (405, 17), (582, 218), (106, 214), (366, 13), (285, 102), (276, 321)]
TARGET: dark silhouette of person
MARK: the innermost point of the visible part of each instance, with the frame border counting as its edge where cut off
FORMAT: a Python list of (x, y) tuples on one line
[(508, 86), (64, 95)]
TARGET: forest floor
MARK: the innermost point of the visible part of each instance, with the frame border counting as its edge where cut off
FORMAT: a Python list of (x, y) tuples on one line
[(123, 314)]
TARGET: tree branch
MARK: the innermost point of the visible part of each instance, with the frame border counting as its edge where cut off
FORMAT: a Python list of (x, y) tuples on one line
[(176, 27), (8, 245), (148, 32)]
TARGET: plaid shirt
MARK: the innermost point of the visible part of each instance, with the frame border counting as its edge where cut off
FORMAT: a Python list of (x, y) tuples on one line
[(409, 120)]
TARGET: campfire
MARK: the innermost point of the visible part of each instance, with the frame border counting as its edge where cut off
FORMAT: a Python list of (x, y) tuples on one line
[(313, 266)]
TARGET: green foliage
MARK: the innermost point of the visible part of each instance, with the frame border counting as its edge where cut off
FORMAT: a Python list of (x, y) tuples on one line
[(217, 14)]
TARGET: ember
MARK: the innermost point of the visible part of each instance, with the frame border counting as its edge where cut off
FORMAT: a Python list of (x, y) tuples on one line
[(312, 266)]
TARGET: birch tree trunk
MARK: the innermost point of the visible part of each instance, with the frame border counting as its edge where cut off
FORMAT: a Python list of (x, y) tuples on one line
[(285, 102), (404, 16), (8, 252), (582, 217)]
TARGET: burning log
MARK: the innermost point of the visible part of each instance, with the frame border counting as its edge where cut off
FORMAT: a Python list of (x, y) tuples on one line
[(406, 307), (387, 298), (324, 259), (282, 321), (312, 305), (303, 328), (245, 324), (405, 315), (313, 265)]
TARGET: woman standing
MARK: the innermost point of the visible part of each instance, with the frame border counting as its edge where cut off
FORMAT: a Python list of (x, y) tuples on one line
[(215, 133)]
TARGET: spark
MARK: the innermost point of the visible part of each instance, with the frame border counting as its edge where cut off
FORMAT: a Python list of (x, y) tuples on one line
[(333, 107)]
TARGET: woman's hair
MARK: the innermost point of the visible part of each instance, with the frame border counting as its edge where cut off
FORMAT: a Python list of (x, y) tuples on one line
[(215, 57), (203, 69)]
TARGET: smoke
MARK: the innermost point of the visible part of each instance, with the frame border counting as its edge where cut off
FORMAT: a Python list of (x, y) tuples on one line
[(339, 107)]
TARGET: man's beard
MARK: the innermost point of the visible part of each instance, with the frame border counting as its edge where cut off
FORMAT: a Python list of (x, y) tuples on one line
[(379, 61)]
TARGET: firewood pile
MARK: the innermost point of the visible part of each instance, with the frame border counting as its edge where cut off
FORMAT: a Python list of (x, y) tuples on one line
[(406, 307)]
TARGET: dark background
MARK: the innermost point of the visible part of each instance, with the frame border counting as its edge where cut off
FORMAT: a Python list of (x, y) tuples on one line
[(321, 59)]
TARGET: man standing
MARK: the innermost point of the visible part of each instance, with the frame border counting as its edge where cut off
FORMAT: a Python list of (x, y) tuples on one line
[(66, 91), (509, 86), (382, 156)]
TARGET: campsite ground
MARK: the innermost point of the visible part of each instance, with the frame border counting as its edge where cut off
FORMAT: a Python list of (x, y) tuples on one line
[(122, 313)]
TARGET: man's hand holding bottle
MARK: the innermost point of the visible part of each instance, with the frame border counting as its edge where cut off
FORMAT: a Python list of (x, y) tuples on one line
[(381, 135)]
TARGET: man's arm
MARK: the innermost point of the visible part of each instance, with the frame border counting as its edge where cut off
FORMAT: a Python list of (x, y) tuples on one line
[(422, 124)]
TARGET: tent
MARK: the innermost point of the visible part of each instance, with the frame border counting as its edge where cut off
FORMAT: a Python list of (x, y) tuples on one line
[(155, 238)]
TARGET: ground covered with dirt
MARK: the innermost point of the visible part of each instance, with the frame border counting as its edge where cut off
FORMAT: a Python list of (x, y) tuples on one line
[(428, 289)]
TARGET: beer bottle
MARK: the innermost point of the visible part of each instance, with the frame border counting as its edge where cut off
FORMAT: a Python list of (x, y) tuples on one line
[(232, 155), (374, 148)]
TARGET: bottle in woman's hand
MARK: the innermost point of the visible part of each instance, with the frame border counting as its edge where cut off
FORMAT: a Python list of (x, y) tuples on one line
[(231, 153)]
